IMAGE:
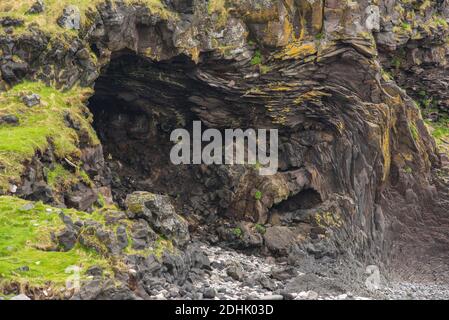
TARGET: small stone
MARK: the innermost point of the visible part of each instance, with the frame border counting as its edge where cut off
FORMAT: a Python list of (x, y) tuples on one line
[(201, 261), (27, 207), (9, 30), (11, 22), (312, 295), (23, 269), (272, 297), (95, 271), (160, 296), (31, 100), (209, 293), (12, 188), (9, 119), (37, 7), (342, 297), (217, 265), (287, 296), (20, 297), (222, 290), (139, 244), (235, 271)]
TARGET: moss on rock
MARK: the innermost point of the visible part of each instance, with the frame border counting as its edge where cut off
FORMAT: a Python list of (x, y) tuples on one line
[(41, 126)]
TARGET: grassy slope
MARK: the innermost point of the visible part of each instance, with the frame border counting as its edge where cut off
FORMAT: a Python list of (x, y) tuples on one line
[(440, 131), (23, 235), (39, 126)]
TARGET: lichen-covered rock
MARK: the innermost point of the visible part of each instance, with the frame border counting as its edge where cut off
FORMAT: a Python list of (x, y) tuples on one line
[(31, 100), (160, 214), (70, 18)]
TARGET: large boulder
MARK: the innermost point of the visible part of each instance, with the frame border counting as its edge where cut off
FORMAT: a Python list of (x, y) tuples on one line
[(160, 214), (278, 239), (81, 198)]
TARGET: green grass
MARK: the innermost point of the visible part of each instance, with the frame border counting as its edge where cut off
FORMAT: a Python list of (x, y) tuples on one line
[(440, 131), (23, 235), (260, 228), (47, 21), (59, 176), (396, 62), (41, 126), (414, 131), (257, 58), (406, 26), (237, 232)]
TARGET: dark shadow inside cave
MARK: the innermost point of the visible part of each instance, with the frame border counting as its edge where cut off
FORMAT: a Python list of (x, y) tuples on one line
[(298, 207), (306, 199), (136, 105)]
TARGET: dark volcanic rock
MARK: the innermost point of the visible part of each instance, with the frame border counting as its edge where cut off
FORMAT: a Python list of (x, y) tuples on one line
[(235, 271), (104, 290), (10, 22), (209, 293), (279, 239), (122, 237), (81, 197), (9, 119), (160, 214), (37, 7), (311, 282), (95, 271), (31, 100), (358, 171), (70, 18), (67, 239)]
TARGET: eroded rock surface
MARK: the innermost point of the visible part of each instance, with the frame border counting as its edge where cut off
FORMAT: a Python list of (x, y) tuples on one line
[(356, 176)]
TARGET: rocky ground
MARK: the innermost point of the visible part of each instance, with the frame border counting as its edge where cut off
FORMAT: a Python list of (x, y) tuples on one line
[(89, 94), (231, 275)]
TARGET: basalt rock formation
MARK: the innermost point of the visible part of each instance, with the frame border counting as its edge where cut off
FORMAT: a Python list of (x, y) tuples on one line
[(357, 174)]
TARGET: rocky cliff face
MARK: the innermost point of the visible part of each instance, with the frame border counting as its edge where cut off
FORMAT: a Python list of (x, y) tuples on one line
[(339, 80)]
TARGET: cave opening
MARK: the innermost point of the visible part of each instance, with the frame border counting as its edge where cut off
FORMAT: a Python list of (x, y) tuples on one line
[(138, 102), (136, 105), (298, 207)]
